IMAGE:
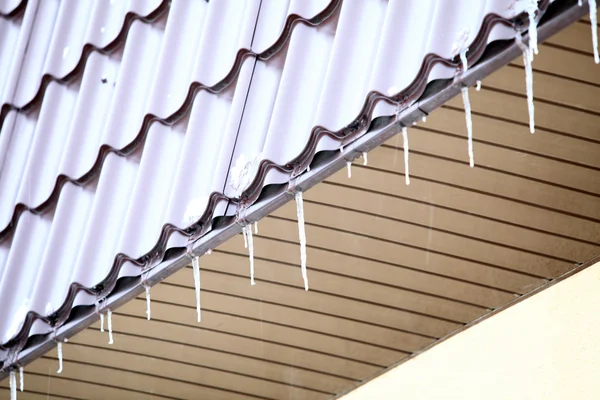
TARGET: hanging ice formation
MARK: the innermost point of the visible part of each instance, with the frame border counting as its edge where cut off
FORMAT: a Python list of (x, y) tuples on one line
[(594, 22), (13, 385), (349, 166), (245, 234), (21, 378), (424, 119), (147, 288), (478, 87), (467, 103), (196, 270), (109, 320), (528, 81), (531, 8), (405, 145), (249, 244), (256, 227), (60, 356), (302, 237), (101, 322), (365, 160)]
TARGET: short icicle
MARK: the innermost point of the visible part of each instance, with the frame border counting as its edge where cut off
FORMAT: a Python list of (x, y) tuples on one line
[(101, 322), (405, 145), (579, 3), (302, 237), (365, 160), (13, 385), (21, 378), (109, 323), (349, 166), (424, 119), (256, 227), (478, 87), (528, 81), (245, 233), (60, 357), (594, 22), (196, 270), (251, 253), (469, 121), (147, 288)]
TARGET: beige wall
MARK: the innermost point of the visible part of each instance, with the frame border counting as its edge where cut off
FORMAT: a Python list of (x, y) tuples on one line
[(546, 347)]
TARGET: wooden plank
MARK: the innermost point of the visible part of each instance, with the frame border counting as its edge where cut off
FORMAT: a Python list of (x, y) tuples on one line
[(510, 134), (429, 240), (28, 395), (266, 331), (371, 270), (292, 317), (121, 378), (207, 357), (424, 214), (191, 334), (41, 377), (546, 87), (341, 286), (577, 36), (547, 116), (489, 182), (469, 201), (183, 374), (286, 287)]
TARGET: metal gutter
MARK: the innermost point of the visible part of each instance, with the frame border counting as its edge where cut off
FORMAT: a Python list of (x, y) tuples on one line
[(559, 15)]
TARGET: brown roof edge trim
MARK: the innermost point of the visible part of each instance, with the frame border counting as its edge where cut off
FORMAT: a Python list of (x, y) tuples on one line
[(566, 275), (351, 136), (15, 12)]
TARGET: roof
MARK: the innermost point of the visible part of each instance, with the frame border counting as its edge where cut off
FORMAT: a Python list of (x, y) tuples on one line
[(128, 196)]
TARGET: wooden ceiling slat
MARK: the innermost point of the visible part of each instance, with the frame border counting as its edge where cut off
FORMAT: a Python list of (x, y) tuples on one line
[(448, 220), (31, 395), (529, 166), (267, 331), (185, 354), (577, 36), (516, 137), (192, 334), (190, 374), (546, 87), (473, 202), (41, 377), (429, 240), (292, 317), (276, 291), (320, 259), (554, 118), (494, 183)]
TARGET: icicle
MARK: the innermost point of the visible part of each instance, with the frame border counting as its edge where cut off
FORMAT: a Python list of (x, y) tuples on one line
[(533, 36), (101, 322), (196, 269), (405, 145), (465, 96), (302, 236), (478, 87), (21, 378), (60, 357), (528, 82), (245, 237), (463, 60), (109, 320), (365, 160), (13, 386), (251, 253), (208, 252), (579, 3), (349, 165), (594, 22), (256, 227), (424, 119), (147, 302)]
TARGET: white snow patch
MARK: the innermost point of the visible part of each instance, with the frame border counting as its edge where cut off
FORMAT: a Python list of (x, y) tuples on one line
[(109, 320), (147, 288), (243, 172), (302, 237), (469, 121), (196, 270), (405, 146), (594, 22)]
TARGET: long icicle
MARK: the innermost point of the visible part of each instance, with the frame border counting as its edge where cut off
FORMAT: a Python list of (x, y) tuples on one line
[(405, 145), (147, 288), (60, 357), (13, 385), (196, 270), (594, 22), (251, 253), (528, 81), (21, 378), (109, 321), (101, 322), (302, 237), (467, 103)]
